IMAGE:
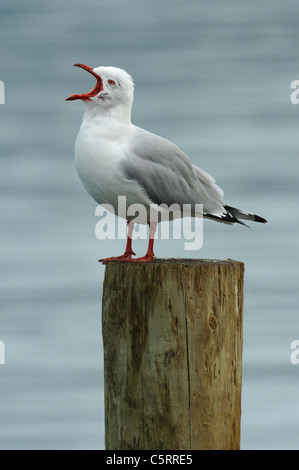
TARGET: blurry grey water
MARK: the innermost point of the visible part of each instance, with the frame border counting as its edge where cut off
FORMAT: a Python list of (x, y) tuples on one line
[(214, 77)]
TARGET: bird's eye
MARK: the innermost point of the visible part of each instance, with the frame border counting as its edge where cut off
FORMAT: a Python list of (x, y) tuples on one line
[(111, 82)]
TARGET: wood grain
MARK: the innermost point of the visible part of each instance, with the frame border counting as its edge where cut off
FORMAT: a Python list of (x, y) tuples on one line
[(172, 332)]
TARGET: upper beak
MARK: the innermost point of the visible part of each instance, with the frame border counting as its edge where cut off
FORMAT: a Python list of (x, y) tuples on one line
[(97, 89)]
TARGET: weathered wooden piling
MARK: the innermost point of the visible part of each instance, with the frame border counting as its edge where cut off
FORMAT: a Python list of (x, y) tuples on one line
[(172, 332)]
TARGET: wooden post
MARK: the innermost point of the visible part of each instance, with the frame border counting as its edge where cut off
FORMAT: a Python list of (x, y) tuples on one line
[(172, 332)]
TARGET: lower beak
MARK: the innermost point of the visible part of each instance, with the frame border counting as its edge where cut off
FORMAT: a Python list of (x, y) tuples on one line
[(97, 89)]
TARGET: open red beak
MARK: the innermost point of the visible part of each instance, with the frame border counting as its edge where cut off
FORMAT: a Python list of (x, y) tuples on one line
[(97, 89)]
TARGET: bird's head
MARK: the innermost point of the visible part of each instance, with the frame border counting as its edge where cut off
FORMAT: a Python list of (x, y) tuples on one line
[(114, 87)]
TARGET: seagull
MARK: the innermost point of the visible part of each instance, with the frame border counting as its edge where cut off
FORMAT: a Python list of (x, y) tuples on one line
[(114, 157)]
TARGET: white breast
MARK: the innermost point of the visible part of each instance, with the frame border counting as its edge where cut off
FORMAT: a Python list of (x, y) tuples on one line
[(98, 160)]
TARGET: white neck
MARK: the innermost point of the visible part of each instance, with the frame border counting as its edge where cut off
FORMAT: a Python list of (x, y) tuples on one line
[(101, 115)]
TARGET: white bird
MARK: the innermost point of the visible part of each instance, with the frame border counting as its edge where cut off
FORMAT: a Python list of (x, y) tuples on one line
[(114, 157)]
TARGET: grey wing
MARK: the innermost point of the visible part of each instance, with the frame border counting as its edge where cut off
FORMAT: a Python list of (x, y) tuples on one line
[(167, 176)]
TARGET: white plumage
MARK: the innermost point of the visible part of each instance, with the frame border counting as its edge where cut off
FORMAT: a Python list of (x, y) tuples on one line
[(115, 157)]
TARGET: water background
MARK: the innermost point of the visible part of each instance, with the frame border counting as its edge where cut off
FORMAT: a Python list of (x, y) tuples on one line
[(212, 76)]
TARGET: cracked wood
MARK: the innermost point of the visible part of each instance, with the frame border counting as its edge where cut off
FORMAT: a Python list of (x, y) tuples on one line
[(172, 332)]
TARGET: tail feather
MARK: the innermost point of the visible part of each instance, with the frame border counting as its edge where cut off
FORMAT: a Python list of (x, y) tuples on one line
[(232, 216), (239, 214)]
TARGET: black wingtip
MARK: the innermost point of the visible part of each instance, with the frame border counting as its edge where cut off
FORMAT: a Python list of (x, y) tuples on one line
[(241, 214), (226, 218), (257, 218)]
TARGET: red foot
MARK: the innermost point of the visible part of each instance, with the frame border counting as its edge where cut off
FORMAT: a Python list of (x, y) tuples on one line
[(144, 259), (124, 257)]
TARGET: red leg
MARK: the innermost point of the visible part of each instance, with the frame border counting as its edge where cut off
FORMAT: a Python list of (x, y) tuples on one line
[(127, 256), (150, 251)]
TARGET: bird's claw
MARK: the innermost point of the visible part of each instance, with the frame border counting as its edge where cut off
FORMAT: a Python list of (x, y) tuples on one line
[(124, 257), (143, 259), (127, 258)]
